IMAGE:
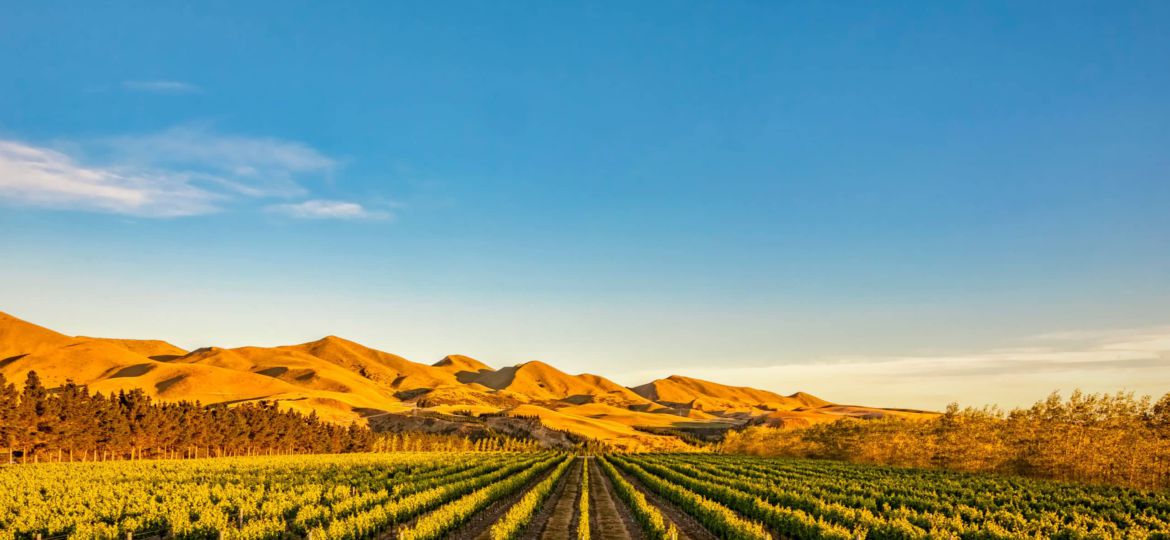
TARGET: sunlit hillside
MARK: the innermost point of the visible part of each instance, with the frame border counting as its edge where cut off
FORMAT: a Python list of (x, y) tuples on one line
[(343, 381)]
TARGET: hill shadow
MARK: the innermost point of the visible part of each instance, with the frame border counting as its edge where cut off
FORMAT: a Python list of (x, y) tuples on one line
[(11, 359), (273, 371), (468, 377), (162, 386), (137, 370)]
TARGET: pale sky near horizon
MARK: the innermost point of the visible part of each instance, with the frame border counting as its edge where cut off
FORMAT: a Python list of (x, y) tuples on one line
[(888, 204)]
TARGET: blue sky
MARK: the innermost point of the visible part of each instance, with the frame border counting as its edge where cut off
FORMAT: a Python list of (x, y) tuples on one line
[(890, 203)]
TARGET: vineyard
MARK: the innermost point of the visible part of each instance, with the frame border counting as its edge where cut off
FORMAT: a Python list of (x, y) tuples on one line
[(542, 496)]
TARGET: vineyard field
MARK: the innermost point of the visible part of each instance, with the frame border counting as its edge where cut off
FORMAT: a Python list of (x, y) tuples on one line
[(551, 496)]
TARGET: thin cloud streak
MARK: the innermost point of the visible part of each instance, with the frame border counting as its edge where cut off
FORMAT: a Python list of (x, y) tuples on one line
[(324, 209), (40, 177), (250, 166), (183, 171), (161, 87)]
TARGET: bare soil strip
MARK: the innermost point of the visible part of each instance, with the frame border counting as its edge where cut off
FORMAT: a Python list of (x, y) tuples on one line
[(775, 535), (480, 524), (689, 528), (594, 487), (557, 518), (610, 518)]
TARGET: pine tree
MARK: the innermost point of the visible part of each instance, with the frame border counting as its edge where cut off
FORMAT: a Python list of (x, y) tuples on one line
[(34, 407), (12, 422)]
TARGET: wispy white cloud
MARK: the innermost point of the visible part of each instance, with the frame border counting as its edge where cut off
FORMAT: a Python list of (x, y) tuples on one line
[(161, 87), (36, 176), (1099, 361), (251, 166), (178, 172), (323, 209)]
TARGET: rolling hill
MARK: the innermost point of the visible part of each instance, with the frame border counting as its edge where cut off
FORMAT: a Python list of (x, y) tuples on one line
[(538, 381), (685, 392), (344, 381)]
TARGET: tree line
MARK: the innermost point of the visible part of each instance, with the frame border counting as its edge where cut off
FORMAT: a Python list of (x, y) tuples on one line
[(417, 441), (71, 424), (68, 423), (1100, 438)]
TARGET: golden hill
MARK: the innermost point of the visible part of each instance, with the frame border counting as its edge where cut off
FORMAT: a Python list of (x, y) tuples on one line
[(307, 375), (344, 381), (539, 381), (385, 368), (685, 392), (18, 337), (107, 367), (465, 368), (150, 348), (617, 434)]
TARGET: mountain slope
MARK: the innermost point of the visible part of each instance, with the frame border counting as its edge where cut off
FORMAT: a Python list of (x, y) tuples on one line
[(686, 392), (18, 337), (343, 381), (166, 372), (616, 434), (107, 367), (465, 368), (539, 381), (150, 348), (385, 368), (292, 366)]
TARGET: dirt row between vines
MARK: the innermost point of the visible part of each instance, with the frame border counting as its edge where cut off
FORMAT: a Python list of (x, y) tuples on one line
[(694, 529), (557, 518), (609, 517), (689, 528), (480, 524)]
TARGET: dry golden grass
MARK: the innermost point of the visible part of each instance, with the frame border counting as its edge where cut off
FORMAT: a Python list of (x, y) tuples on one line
[(343, 381), (18, 337), (209, 375), (709, 396), (458, 364), (539, 381), (150, 348), (626, 417), (386, 368), (613, 433)]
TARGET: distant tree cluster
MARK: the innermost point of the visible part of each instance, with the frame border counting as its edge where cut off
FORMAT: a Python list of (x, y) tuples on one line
[(70, 424), (1100, 438), (441, 442)]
